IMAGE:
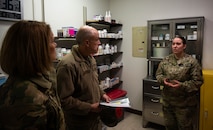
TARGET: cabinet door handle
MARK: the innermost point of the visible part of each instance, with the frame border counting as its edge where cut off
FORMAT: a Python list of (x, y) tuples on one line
[(155, 113), (206, 113), (155, 100), (155, 87)]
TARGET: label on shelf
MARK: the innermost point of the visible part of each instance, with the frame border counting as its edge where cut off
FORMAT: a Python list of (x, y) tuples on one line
[(193, 26), (180, 26), (154, 37), (192, 37)]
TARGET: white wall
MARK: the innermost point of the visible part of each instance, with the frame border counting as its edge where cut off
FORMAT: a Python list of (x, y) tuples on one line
[(136, 13), (65, 13)]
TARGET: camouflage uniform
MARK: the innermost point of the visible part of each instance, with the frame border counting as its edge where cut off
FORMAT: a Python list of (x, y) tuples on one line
[(79, 88), (31, 104), (179, 104)]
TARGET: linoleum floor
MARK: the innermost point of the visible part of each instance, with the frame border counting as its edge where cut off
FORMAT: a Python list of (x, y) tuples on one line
[(133, 121)]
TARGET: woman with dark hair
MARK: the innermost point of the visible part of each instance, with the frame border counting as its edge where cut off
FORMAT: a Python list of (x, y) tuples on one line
[(181, 76), (29, 98)]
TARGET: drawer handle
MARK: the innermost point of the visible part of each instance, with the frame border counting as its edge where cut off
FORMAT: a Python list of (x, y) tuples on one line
[(155, 87), (155, 100), (155, 113)]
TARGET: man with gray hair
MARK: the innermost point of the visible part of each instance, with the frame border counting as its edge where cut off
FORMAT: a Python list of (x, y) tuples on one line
[(78, 82)]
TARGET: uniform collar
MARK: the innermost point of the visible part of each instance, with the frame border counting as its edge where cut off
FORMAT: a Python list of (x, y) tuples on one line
[(78, 56), (42, 80)]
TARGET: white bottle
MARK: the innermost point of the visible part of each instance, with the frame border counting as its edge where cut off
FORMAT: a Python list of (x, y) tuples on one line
[(109, 17), (115, 49), (107, 82), (104, 33), (107, 48), (106, 17), (100, 50), (112, 49)]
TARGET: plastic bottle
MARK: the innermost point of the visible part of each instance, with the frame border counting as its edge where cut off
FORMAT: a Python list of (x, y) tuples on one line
[(109, 17), (108, 82), (107, 48), (112, 49), (106, 17), (115, 49), (100, 50)]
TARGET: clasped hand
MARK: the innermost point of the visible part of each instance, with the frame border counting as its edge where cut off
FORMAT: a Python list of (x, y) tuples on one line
[(172, 83)]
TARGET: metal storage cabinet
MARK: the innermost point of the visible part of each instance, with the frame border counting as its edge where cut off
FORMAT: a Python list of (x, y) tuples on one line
[(160, 34), (152, 107)]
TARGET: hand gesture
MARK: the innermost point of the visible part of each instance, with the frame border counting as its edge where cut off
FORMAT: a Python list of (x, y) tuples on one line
[(172, 83)]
